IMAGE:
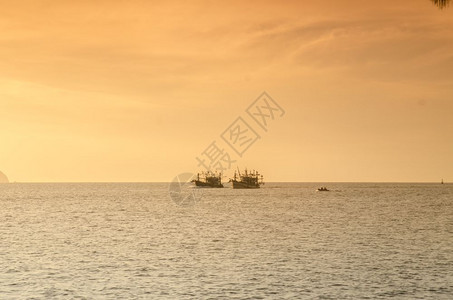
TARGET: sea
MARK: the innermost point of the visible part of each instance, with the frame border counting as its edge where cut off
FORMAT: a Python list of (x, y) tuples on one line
[(283, 241)]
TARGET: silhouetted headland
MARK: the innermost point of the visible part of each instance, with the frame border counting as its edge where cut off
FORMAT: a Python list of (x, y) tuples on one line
[(3, 178)]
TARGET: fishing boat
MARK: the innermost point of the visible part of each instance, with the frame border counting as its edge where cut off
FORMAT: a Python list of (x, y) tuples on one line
[(323, 189), (247, 179), (209, 180)]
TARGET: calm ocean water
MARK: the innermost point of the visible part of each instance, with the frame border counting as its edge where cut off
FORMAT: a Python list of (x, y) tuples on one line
[(131, 241)]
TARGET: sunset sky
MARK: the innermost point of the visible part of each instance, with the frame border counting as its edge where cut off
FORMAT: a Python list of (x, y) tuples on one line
[(136, 90)]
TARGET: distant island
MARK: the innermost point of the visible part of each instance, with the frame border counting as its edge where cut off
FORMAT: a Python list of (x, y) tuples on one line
[(3, 178)]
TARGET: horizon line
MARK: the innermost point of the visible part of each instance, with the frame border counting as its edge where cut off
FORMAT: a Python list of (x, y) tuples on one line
[(12, 182)]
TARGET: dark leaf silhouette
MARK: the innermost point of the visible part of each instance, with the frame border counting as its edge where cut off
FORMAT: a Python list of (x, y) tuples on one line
[(441, 3)]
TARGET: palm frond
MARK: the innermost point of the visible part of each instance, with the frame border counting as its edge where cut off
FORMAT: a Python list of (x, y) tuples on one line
[(441, 3)]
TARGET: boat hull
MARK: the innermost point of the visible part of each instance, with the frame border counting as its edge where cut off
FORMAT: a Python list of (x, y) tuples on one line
[(207, 185), (242, 185)]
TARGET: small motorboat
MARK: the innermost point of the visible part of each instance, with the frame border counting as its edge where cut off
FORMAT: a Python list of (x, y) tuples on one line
[(323, 189)]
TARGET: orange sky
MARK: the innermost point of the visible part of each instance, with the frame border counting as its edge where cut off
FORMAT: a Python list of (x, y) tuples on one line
[(135, 90)]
